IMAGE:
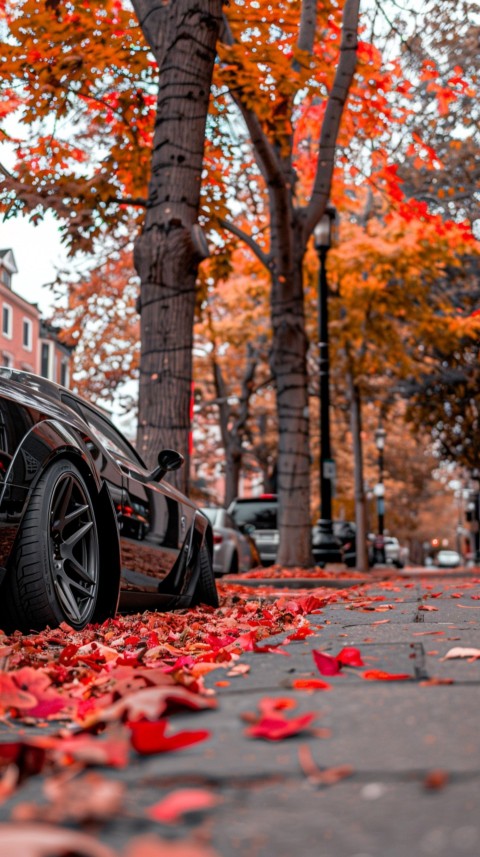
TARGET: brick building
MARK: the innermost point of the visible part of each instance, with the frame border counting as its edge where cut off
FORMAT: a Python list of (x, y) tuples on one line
[(28, 342)]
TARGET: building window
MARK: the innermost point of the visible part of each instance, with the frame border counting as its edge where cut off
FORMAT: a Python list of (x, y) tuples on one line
[(64, 373), (46, 360), (6, 278), (7, 317), (7, 360), (27, 334)]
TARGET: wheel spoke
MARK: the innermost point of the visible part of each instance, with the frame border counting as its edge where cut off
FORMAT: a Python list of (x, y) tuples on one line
[(82, 590), (77, 536), (62, 501), (67, 599), (75, 514)]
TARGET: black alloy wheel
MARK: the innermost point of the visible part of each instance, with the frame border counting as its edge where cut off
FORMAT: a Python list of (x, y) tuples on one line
[(55, 575), (73, 548)]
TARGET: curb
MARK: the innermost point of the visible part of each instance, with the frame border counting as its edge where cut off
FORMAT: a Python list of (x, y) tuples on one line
[(296, 582)]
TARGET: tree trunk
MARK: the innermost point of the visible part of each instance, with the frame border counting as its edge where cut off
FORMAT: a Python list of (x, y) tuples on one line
[(289, 367), (182, 36), (233, 466), (359, 492)]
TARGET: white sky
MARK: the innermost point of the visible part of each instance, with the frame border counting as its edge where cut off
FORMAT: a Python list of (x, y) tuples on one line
[(38, 253)]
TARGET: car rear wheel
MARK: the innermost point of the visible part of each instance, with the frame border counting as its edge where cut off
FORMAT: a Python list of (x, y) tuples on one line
[(56, 570)]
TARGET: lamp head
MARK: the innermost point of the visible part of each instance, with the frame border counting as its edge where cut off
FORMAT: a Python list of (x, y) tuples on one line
[(380, 435), (325, 231)]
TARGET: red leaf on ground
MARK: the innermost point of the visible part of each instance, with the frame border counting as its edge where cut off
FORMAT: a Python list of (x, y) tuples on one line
[(151, 702), (427, 608), (310, 684), (300, 633), (276, 727), (351, 657), (91, 750), (317, 776), (152, 846), (270, 704), (43, 840), (150, 737), (37, 683), (380, 675), (178, 803), (91, 797), (12, 696), (326, 664), (436, 780)]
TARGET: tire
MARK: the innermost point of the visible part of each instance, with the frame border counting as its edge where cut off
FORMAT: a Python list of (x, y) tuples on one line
[(56, 572), (233, 564), (206, 590)]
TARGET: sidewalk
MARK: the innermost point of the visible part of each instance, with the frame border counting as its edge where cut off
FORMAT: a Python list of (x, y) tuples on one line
[(388, 767)]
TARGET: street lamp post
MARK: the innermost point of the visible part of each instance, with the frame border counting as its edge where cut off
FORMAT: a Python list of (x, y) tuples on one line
[(379, 491), (326, 547)]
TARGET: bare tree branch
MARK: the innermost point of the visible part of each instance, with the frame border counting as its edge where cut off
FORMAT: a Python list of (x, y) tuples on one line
[(333, 114), (149, 12), (247, 239), (308, 20)]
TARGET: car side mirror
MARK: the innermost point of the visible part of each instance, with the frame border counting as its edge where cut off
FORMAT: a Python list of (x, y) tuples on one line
[(248, 529), (168, 460)]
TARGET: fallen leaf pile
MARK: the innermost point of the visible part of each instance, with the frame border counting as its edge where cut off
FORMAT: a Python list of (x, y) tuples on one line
[(112, 690), (73, 701)]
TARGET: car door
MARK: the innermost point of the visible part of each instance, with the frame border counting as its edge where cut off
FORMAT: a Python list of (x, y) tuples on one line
[(152, 523)]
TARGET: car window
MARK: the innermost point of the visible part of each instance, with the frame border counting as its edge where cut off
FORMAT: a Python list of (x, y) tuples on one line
[(229, 522), (211, 514), (109, 436), (262, 514)]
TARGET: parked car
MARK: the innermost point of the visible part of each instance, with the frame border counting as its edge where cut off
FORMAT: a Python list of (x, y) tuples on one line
[(393, 551), (233, 551), (447, 559), (84, 525), (346, 532), (257, 517)]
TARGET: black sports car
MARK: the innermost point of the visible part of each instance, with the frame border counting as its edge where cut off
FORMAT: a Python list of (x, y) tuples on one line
[(85, 528)]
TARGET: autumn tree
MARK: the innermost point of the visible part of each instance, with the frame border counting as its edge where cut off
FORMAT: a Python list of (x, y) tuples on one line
[(274, 63), (392, 317), (85, 89), (182, 37)]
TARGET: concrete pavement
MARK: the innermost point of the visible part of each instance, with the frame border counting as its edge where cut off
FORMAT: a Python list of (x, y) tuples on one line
[(388, 767)]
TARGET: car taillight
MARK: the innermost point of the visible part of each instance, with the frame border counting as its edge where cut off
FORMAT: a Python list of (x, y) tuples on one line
[(217, 540)]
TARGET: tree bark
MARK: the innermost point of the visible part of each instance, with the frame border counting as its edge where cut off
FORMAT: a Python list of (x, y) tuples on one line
[(359, 491), (289, 367), (182, 35)]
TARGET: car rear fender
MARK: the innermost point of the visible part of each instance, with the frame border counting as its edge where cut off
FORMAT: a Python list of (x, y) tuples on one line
[(46, 441)]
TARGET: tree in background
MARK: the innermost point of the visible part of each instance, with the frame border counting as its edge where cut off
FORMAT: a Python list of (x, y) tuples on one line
[(286, 69), (231, 369), (98, 314)]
